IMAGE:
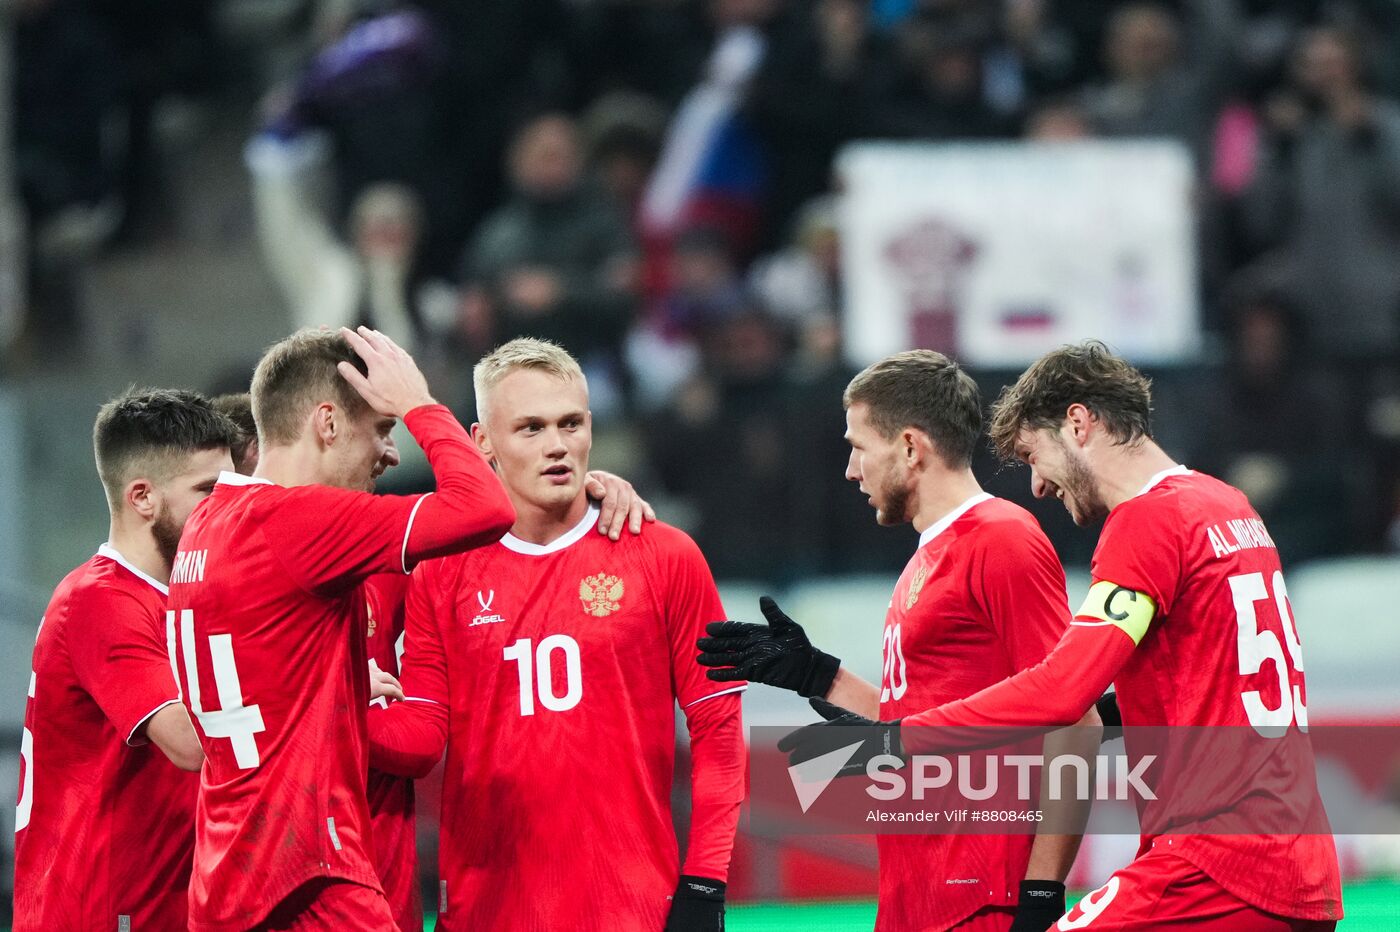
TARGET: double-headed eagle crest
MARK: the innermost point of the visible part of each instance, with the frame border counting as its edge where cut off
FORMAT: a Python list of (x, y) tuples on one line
[(916, 585), (601, 595)]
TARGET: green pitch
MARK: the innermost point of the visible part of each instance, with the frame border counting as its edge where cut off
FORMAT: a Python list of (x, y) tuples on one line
[(1373, 906)]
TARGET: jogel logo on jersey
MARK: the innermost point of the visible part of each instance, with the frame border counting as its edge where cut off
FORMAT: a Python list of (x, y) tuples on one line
[(601, 595), (915, 587), (486, 616)]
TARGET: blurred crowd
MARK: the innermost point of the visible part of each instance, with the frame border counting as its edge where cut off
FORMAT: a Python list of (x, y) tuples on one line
[(649, 182)]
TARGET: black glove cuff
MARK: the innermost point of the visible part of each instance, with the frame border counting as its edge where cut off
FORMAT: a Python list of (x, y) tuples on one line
[(700, 888), (820, 675), (1049, 894)]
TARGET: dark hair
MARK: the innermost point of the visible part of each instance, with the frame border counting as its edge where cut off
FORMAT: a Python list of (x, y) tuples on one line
[(925, 390), (1086, 373), (147, 431), (238, 407), (297, 374)]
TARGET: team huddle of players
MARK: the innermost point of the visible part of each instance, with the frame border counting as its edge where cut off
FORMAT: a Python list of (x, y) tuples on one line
[(231, 699)]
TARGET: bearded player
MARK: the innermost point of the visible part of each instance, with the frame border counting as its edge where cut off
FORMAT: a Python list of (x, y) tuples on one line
[(268, 613), (982, 598), (550, 665), (105, 823), (1188, 616)]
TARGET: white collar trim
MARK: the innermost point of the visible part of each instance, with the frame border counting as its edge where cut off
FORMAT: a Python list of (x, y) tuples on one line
[(110, 552), (567, 539), (943, 523), (234, 478), (1164, 474)]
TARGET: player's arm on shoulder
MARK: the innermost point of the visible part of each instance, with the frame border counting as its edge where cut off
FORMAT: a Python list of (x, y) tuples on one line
[(170, 730)]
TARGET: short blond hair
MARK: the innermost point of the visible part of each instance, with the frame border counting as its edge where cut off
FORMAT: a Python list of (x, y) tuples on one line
[(522, 353)]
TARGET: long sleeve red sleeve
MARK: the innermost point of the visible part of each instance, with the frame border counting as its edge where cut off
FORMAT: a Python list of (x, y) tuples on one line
[(470, 507), (407, 739), (717, 777), (1054, 693)]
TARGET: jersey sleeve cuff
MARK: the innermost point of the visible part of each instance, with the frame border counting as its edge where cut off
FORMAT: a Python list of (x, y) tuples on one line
[(136, 737), (722, 692)]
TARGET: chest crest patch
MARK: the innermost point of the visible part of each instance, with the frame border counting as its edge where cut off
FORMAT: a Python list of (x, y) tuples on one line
[(915, 587), (601, 595), (369, 612)]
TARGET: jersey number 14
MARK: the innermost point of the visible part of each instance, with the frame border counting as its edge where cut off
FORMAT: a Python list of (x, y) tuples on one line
[(233, 720)]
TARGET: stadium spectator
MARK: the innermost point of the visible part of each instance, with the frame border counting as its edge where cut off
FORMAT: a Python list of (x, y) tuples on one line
[(941, 90), (67, 80), (824, 73), (801, 284), (706, 291), (557, 261), (1274, 427), (1164, 78), (726, 443), (1326, 198)]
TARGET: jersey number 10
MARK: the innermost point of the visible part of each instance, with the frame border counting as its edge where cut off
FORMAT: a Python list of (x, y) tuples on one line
[(536, 669)]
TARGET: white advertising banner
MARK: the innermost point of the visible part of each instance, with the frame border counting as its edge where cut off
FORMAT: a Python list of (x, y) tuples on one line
[(997, 253)]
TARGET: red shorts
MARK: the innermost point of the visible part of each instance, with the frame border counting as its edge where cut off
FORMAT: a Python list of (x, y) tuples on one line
[(1164, 892), (987, 919), (330, 904)]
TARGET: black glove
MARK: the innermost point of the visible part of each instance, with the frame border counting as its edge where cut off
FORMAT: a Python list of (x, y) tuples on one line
[(833, 734), (777, 653), (1112, 718), (697, 906), (1042, 903)]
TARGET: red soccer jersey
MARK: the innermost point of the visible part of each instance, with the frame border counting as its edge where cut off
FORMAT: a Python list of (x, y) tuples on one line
[(391, 797), (269, 615), (562, 666), (1223, 650), (981, 599), (105, 821)]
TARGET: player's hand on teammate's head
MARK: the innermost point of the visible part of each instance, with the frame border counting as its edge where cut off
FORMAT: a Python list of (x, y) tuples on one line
[(839, 731), (394, 385), (620, 504), (697, 906), (777, 654), (383, 684)]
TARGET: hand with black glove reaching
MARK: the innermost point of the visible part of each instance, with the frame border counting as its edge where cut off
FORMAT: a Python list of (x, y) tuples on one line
[(777, 653), (840, 730), (1042, 903), (697, 906)]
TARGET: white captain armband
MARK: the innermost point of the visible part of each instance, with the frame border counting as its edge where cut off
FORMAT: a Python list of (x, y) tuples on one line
[(1111, 604)]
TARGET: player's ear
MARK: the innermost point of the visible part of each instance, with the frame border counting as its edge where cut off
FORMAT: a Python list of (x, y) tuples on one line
[(1078, 422), (326, 423), (483, 442), (141, 497), (915, 446)]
